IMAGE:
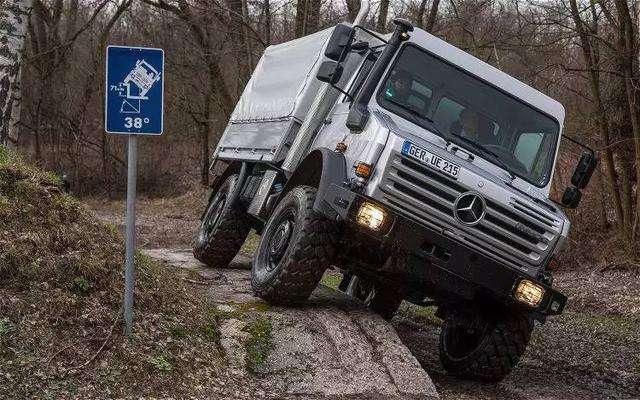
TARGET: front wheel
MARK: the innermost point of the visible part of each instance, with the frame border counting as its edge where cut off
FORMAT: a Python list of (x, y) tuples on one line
[(223, 229), (483, 349), (296, 247)]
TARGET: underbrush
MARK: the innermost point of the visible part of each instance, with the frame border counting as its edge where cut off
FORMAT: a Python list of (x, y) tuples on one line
[(61, 286)]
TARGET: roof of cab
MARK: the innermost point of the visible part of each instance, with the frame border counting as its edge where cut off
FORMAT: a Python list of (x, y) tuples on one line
[(488, 73)]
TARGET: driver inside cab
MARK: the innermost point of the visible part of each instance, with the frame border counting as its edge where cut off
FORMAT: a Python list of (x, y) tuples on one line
[(467, 125)]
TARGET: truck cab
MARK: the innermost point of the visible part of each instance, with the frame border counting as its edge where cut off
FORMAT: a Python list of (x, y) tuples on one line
[(420, 172)]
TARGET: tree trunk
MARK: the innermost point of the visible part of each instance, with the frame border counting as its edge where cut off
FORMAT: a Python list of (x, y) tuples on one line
[(301, 17), (266, 10), (603, 121), (603, 198), (307, 17), (239, 42), (383, 14), (627, 55), (433, 13), (14, 19), (313, 17), (353, 6)]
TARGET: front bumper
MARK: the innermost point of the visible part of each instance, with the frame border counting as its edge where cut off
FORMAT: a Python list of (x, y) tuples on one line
[(446, 266)]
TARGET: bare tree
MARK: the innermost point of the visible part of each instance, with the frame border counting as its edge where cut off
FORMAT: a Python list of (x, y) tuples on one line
[(383, 14), (217, 92), (14, 18), (353, 6), (591, 59), (307, 17)]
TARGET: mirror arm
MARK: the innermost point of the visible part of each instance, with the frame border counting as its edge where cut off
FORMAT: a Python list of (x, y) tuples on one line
[(343, 92), (359, 112), (372, 33), (347, 48), (579, 143)]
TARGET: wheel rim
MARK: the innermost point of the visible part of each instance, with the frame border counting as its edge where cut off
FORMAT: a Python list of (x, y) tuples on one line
[(212, 217), (279, 239)]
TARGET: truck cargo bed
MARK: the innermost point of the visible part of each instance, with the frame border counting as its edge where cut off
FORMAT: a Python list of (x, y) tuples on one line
[(275, 101)]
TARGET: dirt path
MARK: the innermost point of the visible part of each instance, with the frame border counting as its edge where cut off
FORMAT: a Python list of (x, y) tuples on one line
[(590, 352)]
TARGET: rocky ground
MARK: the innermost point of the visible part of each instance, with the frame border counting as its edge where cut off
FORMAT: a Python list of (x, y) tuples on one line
[(589, 352), (331, 348)]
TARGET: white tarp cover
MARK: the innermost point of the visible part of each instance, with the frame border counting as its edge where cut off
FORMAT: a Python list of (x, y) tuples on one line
[(277, 86)]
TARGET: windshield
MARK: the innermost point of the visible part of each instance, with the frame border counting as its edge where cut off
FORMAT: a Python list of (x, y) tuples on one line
[(435, 94)]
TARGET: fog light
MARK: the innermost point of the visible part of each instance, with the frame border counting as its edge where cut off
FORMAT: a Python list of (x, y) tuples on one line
[(529, 293), (371, 216)]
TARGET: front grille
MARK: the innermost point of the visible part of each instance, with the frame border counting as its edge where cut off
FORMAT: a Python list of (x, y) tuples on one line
[(516, 232)]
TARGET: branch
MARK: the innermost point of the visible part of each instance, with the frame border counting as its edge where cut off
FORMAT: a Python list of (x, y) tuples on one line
[(72, 39)]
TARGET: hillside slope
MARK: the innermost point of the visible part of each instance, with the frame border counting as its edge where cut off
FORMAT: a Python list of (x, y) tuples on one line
[(60, 295)]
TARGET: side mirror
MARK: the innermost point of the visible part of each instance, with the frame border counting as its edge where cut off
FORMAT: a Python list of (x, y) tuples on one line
[(329, 72), (571, 197), (584, 170), (340, 38)]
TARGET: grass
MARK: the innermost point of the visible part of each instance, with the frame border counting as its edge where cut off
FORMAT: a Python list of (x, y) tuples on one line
[(331, 279), (5, 327), (160, 363), (211, 331), (250, 245), (258, 345), (61, 291), (418, 314), (178, 331), (48, 235), (81, 285)]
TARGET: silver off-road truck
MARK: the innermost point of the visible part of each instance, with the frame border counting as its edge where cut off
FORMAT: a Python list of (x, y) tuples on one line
[(417, 170)]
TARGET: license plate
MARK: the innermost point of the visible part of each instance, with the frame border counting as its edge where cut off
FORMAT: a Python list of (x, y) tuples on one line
[(438, 163)]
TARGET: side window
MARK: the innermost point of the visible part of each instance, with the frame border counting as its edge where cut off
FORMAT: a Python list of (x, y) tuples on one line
[(527, 148)]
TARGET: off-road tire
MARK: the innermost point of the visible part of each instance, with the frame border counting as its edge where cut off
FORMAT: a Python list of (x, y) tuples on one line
[(309, 250), (216, 246), (496, 353)]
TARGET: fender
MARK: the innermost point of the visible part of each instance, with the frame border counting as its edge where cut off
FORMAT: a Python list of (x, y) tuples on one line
[(326, 170), (221, 169)]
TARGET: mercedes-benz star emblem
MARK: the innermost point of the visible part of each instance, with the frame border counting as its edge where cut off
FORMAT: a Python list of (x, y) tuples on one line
[(469, 208)]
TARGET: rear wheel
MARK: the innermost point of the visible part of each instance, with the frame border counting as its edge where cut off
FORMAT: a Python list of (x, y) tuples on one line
[(482, 349), (223, 229), (296, 247)]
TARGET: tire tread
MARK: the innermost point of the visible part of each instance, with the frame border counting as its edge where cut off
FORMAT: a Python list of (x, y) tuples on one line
[(497, 355), (313, 252), (226, 239)]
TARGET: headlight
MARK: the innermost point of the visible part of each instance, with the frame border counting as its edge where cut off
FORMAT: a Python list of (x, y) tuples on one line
[(529, 293), (371, 216)]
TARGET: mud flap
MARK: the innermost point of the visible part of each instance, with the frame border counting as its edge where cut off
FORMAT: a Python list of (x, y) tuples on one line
[(334, 196)]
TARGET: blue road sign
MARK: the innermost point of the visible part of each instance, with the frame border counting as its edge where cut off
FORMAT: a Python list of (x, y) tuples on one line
[(134, 95)]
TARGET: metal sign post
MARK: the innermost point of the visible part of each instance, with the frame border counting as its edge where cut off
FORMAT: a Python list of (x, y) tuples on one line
[(132, 174), (134, 100)]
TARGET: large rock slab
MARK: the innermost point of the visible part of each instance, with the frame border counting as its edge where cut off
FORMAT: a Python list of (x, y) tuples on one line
[(331, 348)]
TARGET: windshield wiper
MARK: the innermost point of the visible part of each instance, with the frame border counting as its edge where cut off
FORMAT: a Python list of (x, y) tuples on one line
[(419, 116), (486, 151)]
